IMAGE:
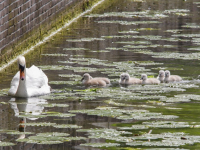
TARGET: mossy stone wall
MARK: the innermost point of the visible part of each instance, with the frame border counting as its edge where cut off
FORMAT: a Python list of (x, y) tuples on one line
[(25, 22)]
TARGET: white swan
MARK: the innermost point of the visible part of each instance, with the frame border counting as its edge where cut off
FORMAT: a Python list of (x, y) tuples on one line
[(28, 82), (171, 78), (161, 76), (146, 80)]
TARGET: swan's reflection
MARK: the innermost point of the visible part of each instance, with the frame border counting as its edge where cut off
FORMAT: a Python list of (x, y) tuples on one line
[(22, 128), (26, 106)]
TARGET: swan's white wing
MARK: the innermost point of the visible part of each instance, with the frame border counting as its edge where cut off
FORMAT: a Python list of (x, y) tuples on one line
[(36, 82), (14, 85)]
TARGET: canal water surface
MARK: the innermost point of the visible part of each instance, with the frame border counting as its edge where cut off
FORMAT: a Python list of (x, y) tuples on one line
[(133, 36)]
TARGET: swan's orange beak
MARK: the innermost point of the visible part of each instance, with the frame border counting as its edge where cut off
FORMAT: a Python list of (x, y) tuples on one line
[(22, 74)]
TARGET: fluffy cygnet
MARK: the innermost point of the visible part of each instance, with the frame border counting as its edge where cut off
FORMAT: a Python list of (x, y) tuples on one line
[(122, 79), (146, 80), (161, 76), (171, 78), (89, 81), (101, 78), (129, 80)]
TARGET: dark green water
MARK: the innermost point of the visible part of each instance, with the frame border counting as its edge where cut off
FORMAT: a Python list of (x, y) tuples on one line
[(118, 36)]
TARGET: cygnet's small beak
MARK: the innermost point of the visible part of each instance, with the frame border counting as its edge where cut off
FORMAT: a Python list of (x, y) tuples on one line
[(141, 78), (82, 79)]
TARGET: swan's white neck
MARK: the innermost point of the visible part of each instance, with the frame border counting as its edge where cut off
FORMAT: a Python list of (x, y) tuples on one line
[(22, 90)]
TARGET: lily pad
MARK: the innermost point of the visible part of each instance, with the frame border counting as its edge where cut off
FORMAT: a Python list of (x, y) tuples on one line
[(71, 126), (6, 144), (101, 144)]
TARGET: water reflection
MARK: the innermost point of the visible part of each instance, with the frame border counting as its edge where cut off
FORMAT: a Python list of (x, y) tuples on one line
[(27, 106), (22, 128)]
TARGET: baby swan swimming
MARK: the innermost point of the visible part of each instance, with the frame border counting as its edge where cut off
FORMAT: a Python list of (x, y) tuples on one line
[(122, 79), (101, 78), (126, 79), (171, 78), (98, 81), (161, 76), (28, 82), (146, 80)]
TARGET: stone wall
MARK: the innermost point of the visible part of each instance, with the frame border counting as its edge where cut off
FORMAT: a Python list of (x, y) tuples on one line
[(25, 22)]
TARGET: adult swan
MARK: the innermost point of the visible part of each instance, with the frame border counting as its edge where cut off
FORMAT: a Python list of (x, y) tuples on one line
[(28, 82)]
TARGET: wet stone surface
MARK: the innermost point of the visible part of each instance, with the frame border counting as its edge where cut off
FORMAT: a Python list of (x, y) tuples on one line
[(133, 36)]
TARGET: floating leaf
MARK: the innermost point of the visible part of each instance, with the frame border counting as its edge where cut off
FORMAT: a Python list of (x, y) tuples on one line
[(67, 126), (101, 144)]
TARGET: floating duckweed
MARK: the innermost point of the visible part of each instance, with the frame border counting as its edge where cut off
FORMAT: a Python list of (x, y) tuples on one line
[(4, 92), (138, 46), (176, 11), (111, 102), (52, 67), (54, 105), (58, 82), (134, 42), (117, 104), (74, 48), (61, 114), (185, 56), (64, 82), (82, 69), (71, 76), (194, 48), (100, 51), (6, 144), (125, 114), (85, 40), (101, 144), (196, 3), (30, 115), (174, 100), (147, 63), (131, 31), (191, 25), (119, 14), (53, 134), (172, 108), (49, 138), (55, 55), (147, 29), (188, 96), (38, 124), (174, 39), (19, 133), (109, 132), (42, 141), (174, 31), (181, 14), (128, 22), (187, 35), (53, 97), (72, 126), (166, 124)]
